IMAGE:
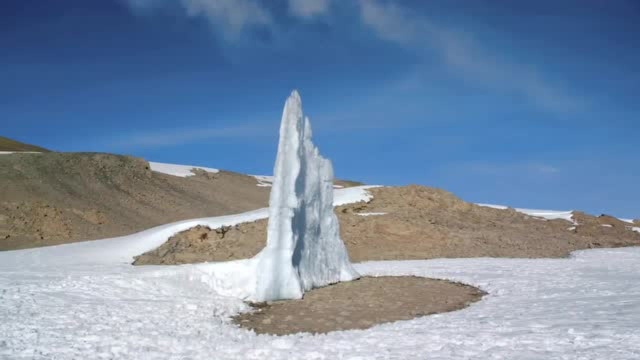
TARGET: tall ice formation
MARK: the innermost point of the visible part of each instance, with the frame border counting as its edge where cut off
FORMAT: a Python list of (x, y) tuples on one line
[(304, 249)]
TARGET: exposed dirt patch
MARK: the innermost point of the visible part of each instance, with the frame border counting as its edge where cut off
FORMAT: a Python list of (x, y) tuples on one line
[(55, 198), (359, 304), (422, 222), (419, 223), (201, 244)]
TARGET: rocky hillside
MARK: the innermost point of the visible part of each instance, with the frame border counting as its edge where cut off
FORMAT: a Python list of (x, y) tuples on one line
[(415, 222), (7, 144), (53, 198)]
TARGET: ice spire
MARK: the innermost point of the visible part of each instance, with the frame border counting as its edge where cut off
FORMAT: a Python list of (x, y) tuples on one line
[(304, 249)]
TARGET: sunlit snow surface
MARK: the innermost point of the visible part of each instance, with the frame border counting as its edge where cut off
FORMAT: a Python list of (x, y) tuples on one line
[(585, 307), (85, 301)]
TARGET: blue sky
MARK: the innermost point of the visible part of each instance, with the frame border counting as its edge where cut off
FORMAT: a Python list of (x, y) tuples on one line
[(529, 104)]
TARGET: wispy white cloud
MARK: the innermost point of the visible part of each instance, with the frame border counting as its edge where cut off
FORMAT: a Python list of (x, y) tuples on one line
[(230, 16), (308, 8), (464, 54), (233, 15), (389, 22)]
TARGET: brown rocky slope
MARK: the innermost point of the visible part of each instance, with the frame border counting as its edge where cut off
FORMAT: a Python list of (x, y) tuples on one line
[(7, 144), (419, 223), (54, 198)]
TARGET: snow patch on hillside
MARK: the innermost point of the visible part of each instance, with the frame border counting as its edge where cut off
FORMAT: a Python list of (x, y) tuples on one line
[(554, 215), (178, 170), (543, 214), (19, 152), (371, 214), (549, 214), (264, 180)]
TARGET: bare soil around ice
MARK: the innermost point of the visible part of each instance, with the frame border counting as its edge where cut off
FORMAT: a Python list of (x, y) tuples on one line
[(359, 304), (417, 222)]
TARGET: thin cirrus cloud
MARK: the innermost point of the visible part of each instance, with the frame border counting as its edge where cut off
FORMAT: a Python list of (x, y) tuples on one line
[(174, 137), (308, 8), (230, 16), (233, 16), (463, 54)]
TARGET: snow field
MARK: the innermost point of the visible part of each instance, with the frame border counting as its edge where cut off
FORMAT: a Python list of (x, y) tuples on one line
[(85, 300), (583, 307)]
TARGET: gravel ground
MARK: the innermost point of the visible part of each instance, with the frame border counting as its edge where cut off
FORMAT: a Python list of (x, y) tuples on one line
[(359, 304)]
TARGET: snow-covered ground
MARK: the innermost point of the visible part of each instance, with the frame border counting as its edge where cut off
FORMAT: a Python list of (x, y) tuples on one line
[(84, 300), (584, 307)]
